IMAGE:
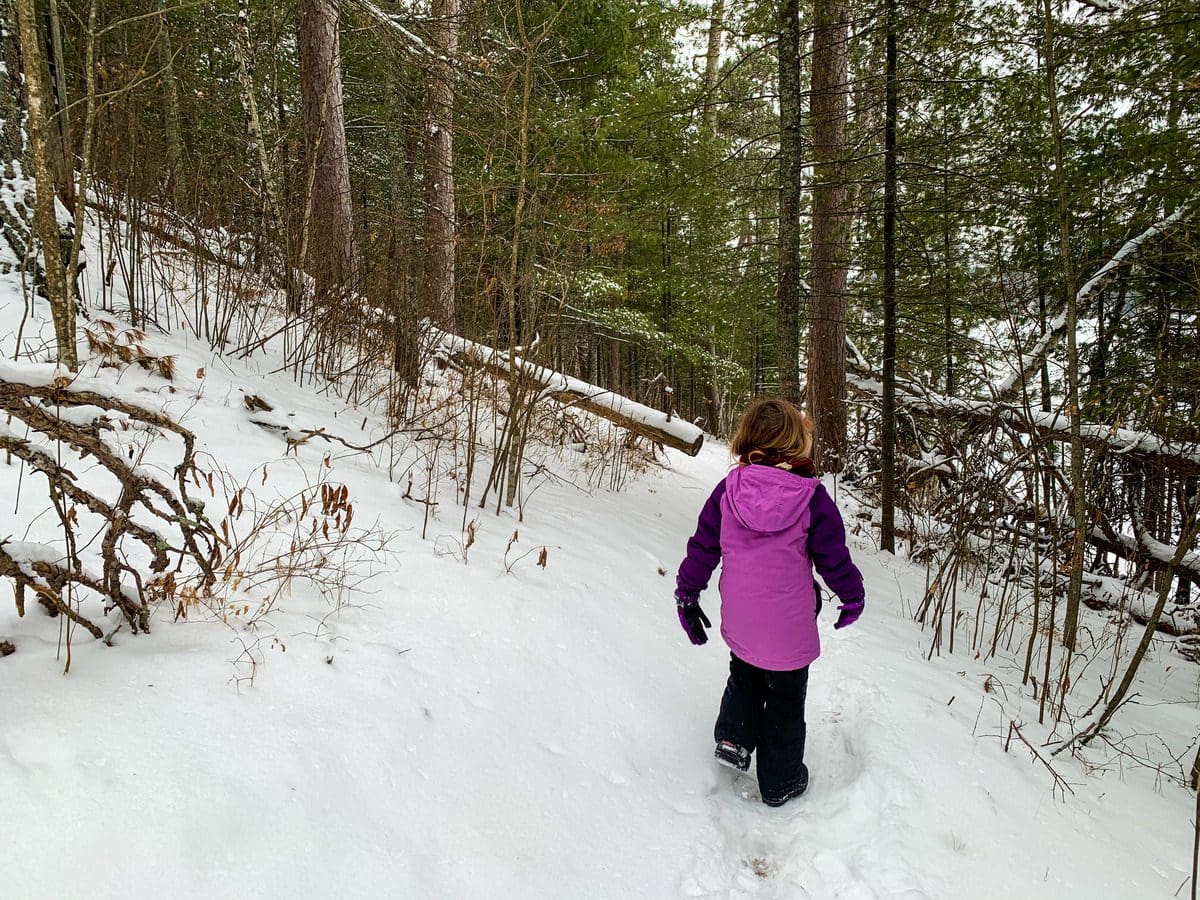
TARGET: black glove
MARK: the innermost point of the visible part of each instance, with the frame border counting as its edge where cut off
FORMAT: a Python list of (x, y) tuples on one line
[(693, 619)]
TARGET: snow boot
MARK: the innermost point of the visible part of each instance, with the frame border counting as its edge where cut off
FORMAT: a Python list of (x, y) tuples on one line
[(731, 755), (793, 793)]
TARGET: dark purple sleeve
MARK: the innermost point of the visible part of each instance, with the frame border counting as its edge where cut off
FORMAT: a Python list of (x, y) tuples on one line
[(703, 549), (827, 548)]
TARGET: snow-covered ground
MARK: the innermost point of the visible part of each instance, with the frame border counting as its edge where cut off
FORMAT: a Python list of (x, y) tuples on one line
[(463, 730)]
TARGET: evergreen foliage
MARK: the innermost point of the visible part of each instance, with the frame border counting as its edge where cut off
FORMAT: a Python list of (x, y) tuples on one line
[(649, 243)]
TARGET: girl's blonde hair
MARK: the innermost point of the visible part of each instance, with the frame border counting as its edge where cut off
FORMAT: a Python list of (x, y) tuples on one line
[(774, 431)]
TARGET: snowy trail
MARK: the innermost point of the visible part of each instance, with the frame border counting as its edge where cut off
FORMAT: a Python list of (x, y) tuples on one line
[(464, 731), (834, 841), (533, 735)]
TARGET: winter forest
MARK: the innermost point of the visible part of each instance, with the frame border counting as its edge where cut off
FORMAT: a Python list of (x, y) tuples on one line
[(365, 365)]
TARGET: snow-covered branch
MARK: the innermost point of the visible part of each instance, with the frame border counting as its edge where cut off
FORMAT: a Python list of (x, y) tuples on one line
[(409, 40), (1008, 387), (1145, 548), (1178, 456)]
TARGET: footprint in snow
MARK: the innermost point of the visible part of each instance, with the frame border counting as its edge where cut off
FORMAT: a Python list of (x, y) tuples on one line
[(838, 840)]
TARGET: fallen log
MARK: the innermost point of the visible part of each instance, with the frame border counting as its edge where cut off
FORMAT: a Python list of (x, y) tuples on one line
[(1181, 457), (1177, 621), (1144, 549), (1148, 552), (660, 427), (177, 235)]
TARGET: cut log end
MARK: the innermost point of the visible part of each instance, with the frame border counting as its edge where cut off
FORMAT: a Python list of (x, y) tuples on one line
[(658, 435)]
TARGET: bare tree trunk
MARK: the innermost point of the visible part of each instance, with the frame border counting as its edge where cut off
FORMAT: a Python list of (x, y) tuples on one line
[(614, 365), (787, 294), (85, 159), (712, 69), (331, 249), (441, 229), (37, 99), (63, 153), (518, 396), (1078, 485), (830, 234), (10, 87), (14, 222), (258, 149), (887, 536), (948, 301), (172, 129), (402, 259), (712, 63)]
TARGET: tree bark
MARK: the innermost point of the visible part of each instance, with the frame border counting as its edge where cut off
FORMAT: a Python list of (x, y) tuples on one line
[(712, 68), (712, 64), (258, 148), (610, 405), (402, 260), (13, 227), (830, 234), (331, 250), (441, 228), (1078, 485), (1182, 457), (787, 295), (887, 475), (85, 159), (37, 99), (172, 129), (63, 152), (11, 143)]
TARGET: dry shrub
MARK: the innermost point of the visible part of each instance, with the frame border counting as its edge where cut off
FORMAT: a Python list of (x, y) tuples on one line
[(119, 348), (274, 546)]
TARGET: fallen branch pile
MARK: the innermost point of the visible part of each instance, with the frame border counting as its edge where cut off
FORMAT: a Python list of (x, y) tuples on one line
[(1178, 456), (66, 422), (981, 417)]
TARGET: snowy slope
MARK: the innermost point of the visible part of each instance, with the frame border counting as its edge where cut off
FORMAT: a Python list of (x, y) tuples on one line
[(465, 731)]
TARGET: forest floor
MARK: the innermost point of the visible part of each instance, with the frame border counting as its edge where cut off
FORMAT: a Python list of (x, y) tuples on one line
[(481, 727)]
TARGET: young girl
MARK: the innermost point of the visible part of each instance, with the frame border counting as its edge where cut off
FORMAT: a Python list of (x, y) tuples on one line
[(770, 521)]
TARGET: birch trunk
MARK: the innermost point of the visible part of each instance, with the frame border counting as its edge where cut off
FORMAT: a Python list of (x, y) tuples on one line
[(45, 224), (712, 64), (258, 147)]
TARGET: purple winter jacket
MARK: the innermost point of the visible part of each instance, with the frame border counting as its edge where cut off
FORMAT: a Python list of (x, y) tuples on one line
[(770, 527)]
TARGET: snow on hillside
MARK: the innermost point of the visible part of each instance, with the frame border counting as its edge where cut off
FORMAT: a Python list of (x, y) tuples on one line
[(491, 728)]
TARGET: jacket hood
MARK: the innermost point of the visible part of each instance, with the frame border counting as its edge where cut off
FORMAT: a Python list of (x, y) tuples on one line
[(766, 499)]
